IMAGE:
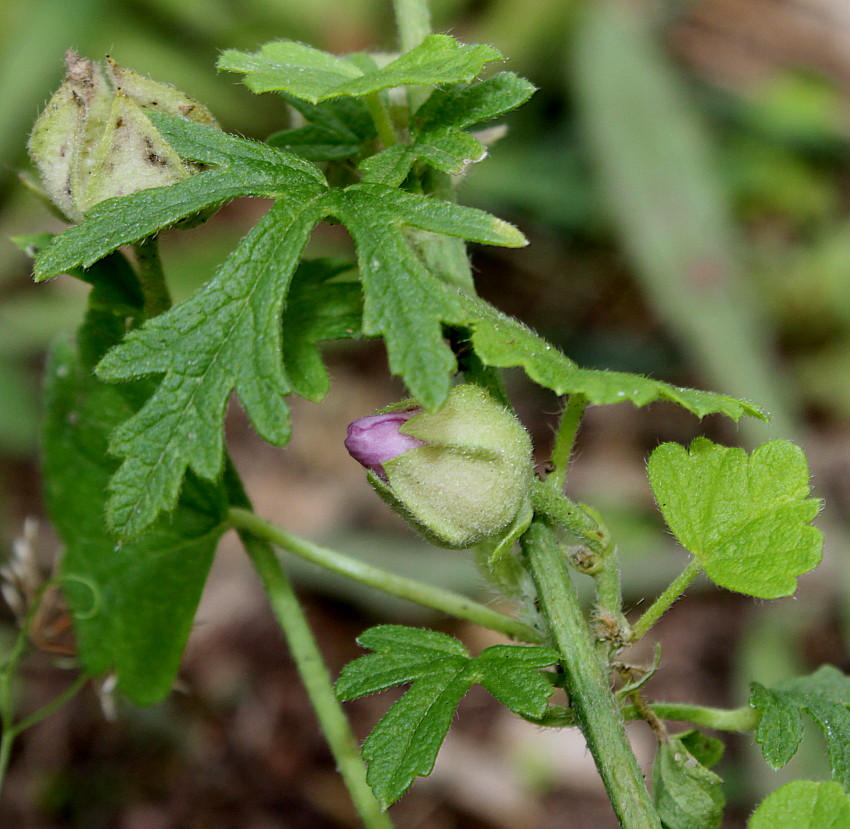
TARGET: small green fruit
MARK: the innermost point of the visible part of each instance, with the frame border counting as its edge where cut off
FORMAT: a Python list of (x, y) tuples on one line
[(467, 477), (94, 140)]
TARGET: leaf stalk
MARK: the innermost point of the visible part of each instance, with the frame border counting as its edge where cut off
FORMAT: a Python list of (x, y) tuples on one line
[(663, 603), (427, 595)]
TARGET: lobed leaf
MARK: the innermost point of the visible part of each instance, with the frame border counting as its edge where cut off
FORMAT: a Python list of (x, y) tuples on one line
[(824, 696), (242, 168), (228, 337), (406, 741), (464, 106), (437, 132), (450, 151), (336, 129), (225, 337), (133, 604), (316, 76), (317, 309), (606, 387), (403, 301), (745, 519), (803, 804), (504, 342)]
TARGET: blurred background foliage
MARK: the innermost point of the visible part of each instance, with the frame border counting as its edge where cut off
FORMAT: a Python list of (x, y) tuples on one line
[(683, 174)]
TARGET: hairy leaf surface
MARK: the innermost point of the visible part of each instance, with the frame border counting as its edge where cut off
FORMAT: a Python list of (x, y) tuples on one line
[(315, 76), (226, 337), (803, 804), (687, 795), (240, 168), (824, 696), (745, 519), (133, 604), (405, 743), (317, 308)]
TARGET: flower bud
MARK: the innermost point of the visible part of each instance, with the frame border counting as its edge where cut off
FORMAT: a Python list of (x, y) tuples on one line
[(94, 141), (461, 475)]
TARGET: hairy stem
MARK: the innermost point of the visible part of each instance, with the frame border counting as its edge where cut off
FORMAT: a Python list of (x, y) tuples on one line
[(309, 662), (720, 719), (317, 681), (597, 711), (151, 276), (413, 21), (662, 604), (565, 440), (381, 118), (427, 595)]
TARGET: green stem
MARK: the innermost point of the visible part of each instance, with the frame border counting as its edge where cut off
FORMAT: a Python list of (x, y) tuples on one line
[(413, 20), (308, 660), (424, 594), (54, 705), (381, 118), (662, 604), (609, 595), (559, 509), (597, 712), (565, 439), (720, 719), (152, 277), (317, 681), (8, 728)]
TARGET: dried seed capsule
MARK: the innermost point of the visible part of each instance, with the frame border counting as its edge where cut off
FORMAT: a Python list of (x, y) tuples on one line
[(94, 141)]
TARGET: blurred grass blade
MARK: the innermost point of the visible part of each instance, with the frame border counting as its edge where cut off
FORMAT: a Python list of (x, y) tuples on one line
[(655, 162)]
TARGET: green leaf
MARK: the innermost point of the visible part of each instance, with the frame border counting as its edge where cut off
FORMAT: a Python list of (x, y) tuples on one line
[(463, 106), (745, 519), (504, 342), (824, 696), (314, 144), (240, 168), (450, 151), (317, 309), (405, 743), (227, 336), (437, 130), (803, 804), (687, 795), (606, 387), (133, 604), (336, 129), (315, 76), (403, 301)]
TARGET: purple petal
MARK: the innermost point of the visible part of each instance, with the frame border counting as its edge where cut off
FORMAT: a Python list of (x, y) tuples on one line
[(374, 440)]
